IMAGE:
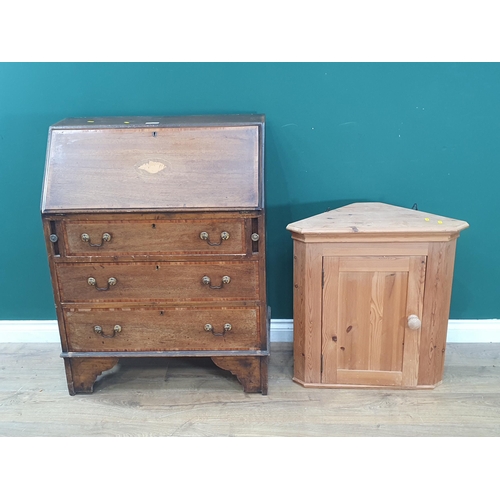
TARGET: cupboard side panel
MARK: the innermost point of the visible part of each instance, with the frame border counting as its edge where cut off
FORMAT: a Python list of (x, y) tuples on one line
[(436, 310), (299, 310), (330, 320), (312, 302)]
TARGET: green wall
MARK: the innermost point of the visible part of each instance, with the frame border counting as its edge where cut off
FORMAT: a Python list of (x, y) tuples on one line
[(336, 133)]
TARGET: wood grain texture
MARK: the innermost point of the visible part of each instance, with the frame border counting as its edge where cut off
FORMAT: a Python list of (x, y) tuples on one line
[(313, 272), (369, 377), (53, 255), (376, 220), (371, 314), (374, 264), (166, 237), (192, 167), (299, 309), (354, 319), (247, 371), (192, 397), (374, 278), (395, 288), (155, 233), (163, 329), (83, 373), (159, 281), (370, 248), (330, 346), (414, 306), (436, 310)]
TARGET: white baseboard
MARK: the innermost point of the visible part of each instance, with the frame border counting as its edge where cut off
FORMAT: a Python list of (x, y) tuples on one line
[(29, 331), (459, 331), (281, 330), (473, 330)]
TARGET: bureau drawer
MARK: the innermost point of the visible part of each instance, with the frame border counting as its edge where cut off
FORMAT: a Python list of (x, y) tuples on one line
[(167, 329), (159, 281), (173, 237)]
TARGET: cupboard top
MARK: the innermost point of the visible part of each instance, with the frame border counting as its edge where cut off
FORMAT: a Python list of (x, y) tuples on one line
[(376, 220)]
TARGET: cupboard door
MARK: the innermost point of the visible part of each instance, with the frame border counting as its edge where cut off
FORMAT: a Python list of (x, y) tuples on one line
[(366, 339)]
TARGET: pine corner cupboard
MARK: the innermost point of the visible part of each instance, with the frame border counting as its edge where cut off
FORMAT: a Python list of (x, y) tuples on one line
[(155, 234), (372, 291)]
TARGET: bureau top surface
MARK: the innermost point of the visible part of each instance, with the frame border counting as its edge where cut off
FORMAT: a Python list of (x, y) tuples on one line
[(124, 122), (376, 219), (154, 163)]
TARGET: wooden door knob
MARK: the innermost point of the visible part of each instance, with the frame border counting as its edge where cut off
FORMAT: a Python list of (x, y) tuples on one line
[(414, 322)]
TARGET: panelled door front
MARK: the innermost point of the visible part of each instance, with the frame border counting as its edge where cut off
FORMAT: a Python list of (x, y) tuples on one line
[(371, 325)]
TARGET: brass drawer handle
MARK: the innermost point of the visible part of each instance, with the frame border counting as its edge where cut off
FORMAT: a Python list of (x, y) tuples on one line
[(206, 281), (223, 236), (98, 330), (210, 328), (92, 282), (105, 237)]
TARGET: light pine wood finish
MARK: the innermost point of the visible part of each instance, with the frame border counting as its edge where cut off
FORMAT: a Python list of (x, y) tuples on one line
[(330, 333), (155, 233), (192, 397), (354, 293), (299, 308), (378, 221), (415, 306), (364, 348), (312, 309), (437, 301)]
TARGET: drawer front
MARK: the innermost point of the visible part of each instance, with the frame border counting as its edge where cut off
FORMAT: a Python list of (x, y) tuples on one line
[(159, 281), (172, 237), (167, 329)]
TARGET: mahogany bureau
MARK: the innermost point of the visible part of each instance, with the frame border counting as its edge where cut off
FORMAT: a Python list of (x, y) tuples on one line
[(155, 234)]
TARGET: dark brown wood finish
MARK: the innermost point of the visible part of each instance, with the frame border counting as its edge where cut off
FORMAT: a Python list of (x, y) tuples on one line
[(83, 373), (165, 329), (159, 281), (125, 206), (248, 370), (155, 236), (159, 167)]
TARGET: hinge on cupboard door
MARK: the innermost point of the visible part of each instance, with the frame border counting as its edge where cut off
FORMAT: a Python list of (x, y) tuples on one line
[(323, 278), (321, 370)]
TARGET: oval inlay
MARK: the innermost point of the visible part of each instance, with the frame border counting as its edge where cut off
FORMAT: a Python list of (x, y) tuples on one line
[(152, 167)]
